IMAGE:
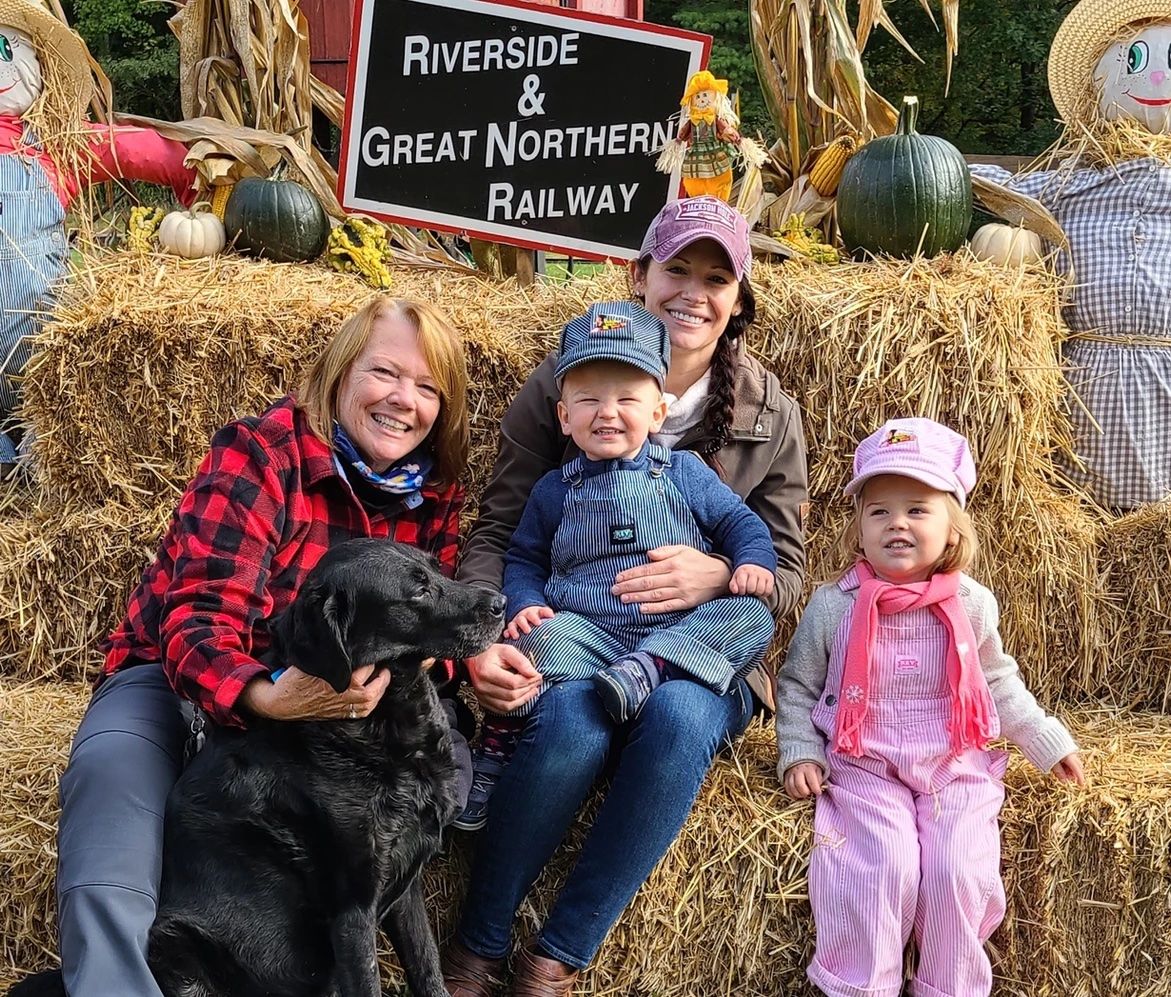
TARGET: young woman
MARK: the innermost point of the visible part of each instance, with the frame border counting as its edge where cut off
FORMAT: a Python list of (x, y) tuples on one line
[(693, 274)]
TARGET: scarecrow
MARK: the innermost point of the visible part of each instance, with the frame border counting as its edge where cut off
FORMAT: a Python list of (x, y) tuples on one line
[(708, 140), (1109, 187), (48, 154)]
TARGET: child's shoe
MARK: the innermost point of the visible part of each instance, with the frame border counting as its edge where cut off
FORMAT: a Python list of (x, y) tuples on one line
[(625, 685), (498, 740), (486, 770)]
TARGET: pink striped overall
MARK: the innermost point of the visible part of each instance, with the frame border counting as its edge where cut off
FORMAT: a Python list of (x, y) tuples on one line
[(906, 836)]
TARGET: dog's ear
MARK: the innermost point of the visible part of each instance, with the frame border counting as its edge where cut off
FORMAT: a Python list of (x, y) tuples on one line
[(322, 636)]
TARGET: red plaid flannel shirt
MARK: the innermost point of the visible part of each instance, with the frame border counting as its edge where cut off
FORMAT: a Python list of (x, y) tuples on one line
[(264, 506)]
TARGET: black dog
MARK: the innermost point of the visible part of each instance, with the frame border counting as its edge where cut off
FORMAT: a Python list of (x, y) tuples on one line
[(287, 844)]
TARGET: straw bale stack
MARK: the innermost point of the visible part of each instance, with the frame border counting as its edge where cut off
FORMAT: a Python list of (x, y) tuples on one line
[(953, 338), (973, 345), (65, 575), (165, 351), (37, 721), (1087, 873), (1134, 554)]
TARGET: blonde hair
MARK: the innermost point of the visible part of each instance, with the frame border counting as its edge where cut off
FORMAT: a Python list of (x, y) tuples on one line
[(442, 348), (959, 556)]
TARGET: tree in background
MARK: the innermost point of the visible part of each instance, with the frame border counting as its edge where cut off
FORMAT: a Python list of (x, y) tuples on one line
[(727, 23), (131, 41), (999, 98)]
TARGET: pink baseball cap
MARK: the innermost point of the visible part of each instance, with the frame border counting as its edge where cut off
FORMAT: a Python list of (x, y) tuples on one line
[(916, 448), (683, 222)]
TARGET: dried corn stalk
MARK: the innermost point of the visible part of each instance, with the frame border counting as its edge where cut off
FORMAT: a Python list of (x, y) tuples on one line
[(809, 60), (247, 90)]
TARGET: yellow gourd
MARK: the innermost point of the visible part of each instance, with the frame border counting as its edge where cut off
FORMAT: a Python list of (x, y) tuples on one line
[(1007, 245), (192, 234)]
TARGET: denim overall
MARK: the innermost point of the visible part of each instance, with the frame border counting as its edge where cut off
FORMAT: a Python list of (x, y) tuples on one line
[(33, 253), (610, 520)]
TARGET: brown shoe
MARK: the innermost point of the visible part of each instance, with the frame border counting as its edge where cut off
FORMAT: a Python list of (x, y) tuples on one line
[(540, 976), (466, 974)]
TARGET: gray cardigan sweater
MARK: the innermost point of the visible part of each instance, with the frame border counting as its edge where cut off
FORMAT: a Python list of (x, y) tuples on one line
[(1043, 739)]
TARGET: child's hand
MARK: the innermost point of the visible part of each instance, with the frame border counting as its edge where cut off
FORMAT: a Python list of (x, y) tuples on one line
[(803, 780), (1069, 769), (752, 579), (527, 620)]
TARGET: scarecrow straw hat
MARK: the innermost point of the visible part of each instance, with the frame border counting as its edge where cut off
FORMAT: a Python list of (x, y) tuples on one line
[(64, 59), (701, 81), (1079, 41)]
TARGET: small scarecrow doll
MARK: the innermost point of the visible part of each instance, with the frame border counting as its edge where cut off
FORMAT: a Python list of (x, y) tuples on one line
[(1109, 186), (48, 154), (708, 140)]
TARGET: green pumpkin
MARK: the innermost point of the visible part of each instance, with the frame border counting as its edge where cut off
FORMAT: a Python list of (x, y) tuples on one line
[(903, 191), (277, 219)]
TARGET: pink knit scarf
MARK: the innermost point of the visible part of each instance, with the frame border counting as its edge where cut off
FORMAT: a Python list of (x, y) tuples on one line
[(971, 724)]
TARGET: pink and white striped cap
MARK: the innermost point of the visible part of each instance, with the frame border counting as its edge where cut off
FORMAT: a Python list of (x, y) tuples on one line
[(916, 448)]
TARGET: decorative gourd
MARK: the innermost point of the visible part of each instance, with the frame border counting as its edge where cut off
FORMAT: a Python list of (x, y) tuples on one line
[(277, 219), (192, 234), (905, 192), (1008, 245)]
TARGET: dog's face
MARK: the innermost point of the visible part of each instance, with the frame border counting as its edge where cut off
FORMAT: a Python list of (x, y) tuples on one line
[(378, 602)]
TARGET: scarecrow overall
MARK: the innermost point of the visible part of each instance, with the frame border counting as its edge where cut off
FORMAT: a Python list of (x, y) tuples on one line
[(48, 154), (1110, 77), (708, 139)]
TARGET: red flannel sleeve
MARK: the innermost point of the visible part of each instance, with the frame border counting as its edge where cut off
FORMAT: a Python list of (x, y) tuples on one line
[(445, 545), (231, 518)]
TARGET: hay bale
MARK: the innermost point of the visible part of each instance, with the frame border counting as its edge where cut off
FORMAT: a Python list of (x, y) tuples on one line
[(960, 340), (37, 721), (1087, 873), (166, 351), (65, 575), (1042, 568), (1134, 552)]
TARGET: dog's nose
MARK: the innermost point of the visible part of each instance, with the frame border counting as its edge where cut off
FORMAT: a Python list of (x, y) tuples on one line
[(498, 604)]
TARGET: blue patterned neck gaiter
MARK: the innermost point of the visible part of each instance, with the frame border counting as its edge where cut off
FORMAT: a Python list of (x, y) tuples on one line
[(404, 478)]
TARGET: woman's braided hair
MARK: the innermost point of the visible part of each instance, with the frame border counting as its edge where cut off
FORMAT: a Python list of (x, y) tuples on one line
[(721, 400)]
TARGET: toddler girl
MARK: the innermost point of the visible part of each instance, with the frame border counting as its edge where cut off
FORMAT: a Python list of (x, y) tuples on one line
[(894, 684)]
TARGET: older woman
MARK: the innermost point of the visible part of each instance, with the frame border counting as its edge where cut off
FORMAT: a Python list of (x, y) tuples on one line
[(693, 273), (373, 444)]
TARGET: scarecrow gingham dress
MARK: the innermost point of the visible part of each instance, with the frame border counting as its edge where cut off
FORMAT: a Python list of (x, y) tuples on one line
[(1118, 222)]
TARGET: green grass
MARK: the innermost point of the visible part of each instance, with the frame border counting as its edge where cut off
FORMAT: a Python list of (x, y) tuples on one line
[(558, 269)]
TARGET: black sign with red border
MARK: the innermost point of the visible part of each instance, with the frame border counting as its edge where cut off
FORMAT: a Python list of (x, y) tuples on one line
[(516, 123)]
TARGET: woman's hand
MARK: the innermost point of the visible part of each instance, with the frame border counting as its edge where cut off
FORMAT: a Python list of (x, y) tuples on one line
[(503, 678), (677, 577), (803, 780), (298, 696), (527, 620), (1069, 769)]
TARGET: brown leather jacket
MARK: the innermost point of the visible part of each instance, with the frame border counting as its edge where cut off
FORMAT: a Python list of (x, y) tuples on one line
[(764, 463)]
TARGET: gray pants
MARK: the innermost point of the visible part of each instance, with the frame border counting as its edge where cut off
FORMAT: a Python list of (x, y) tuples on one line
[(126, 757)]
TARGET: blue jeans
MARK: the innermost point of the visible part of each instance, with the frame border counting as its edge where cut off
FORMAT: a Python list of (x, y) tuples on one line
[(658, 761)]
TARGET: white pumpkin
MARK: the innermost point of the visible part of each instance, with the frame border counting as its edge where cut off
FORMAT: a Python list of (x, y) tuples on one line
[(1007, 245), (192, 234)]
